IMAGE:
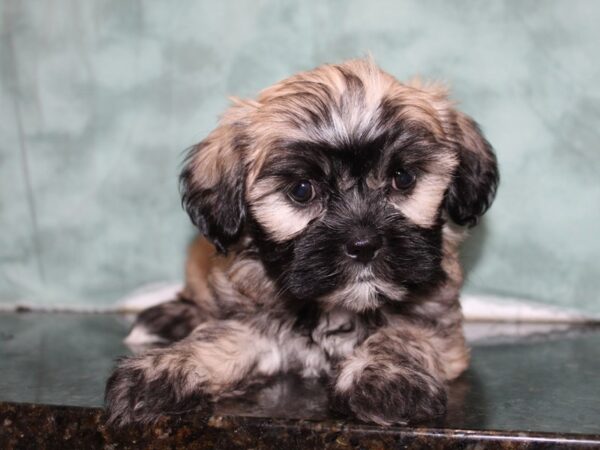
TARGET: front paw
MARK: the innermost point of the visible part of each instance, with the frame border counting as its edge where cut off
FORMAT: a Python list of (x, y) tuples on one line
[(139, 390), (387, 397), (164, 323)]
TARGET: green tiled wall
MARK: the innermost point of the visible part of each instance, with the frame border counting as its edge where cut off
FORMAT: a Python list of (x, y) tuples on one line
[(99, 99)]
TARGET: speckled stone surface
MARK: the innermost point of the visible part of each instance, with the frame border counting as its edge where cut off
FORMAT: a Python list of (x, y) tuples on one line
[(527, 387)]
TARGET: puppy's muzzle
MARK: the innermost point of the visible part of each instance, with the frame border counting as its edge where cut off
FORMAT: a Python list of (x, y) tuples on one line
[(364, 246)]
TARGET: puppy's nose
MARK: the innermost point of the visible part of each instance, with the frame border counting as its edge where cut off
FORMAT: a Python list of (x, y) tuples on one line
[(363, 248)]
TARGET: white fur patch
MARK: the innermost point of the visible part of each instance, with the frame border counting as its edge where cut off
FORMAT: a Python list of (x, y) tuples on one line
[(139, 335), (271, 361), (422, 205), (359, 296), (279, 218), (363, 294), (351, 370)]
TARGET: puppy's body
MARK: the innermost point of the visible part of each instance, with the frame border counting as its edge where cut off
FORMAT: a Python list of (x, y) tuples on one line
[(336, 201)]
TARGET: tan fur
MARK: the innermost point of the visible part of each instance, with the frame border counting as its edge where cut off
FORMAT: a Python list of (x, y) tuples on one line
[(275, 117), (219, 156), (278, 103), (423, 203), (197, 268), (273, 210), (372, 333)]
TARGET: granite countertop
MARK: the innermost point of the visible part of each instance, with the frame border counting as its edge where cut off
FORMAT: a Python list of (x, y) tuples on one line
[(529, 386)]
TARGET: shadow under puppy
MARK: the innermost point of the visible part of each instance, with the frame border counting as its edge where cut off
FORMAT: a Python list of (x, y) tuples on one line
[(336, 202)]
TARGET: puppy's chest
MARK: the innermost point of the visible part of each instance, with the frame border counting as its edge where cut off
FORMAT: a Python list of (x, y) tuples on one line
[(338, 332)]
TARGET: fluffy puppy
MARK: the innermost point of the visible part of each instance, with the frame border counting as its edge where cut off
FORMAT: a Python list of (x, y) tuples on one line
[(336, 202)]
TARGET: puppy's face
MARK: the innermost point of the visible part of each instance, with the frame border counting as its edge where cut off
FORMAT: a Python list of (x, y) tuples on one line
[(343, 178)]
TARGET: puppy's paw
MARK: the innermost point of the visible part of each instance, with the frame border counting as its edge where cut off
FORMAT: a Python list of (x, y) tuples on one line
[(165, 323), (385, 397), (140, 391)]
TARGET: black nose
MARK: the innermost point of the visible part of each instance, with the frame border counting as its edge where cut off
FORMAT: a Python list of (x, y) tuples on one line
[(364, 248)]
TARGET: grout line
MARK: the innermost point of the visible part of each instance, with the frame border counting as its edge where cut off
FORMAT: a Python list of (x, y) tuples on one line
[(23, 150)]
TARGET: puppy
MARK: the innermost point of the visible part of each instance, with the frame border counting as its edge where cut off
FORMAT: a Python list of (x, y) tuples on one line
[(336, 202)]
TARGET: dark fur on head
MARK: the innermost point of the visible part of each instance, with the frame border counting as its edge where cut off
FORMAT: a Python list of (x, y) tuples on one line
[(340, 194)]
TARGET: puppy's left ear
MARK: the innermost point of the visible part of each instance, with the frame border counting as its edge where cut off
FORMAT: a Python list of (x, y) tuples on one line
[(476, 178), (212, 180)]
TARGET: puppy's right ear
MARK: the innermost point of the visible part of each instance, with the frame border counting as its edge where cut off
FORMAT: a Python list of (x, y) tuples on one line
[(476, 179), (212, 180)]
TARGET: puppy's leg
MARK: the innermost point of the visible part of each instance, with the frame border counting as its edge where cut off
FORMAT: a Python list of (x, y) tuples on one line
[(172, 321), (165, 323), (217, 359), (398, 375)]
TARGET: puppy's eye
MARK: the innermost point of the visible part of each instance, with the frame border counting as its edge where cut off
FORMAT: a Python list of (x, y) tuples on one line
[(402, 179), (302, 191)]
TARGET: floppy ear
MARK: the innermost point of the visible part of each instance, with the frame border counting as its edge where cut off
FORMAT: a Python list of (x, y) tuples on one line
[(476, 178), (212, 180)]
